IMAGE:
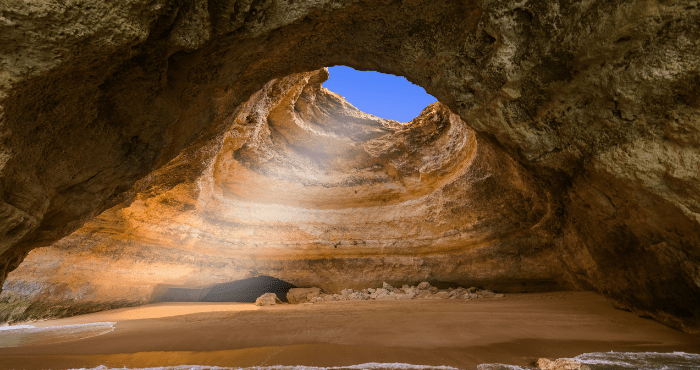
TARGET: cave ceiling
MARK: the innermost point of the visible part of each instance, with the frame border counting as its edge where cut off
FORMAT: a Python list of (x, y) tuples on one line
[(578, 123)]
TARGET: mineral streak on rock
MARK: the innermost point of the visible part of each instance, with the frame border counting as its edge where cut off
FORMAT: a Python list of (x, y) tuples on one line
[(597, 102)]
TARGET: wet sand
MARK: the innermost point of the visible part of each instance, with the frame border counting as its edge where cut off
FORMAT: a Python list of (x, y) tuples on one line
[(516, 330)]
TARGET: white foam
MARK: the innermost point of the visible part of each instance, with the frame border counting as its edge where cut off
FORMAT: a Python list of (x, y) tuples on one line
[(62, 327), (18, 335), (367, 366), (596, 360), (15, 327), (501, 367), (642, 360)]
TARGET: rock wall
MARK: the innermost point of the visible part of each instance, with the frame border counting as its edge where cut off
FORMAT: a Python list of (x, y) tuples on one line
[(306, 188), (598, 100)]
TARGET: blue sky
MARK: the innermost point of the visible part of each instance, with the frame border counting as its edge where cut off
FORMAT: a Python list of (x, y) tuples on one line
[(380, 94)]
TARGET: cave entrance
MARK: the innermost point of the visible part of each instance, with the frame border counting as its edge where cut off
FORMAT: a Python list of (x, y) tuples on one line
[(244, 290)]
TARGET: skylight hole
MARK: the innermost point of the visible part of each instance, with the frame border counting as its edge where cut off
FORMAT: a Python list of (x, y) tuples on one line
[(380, 94)]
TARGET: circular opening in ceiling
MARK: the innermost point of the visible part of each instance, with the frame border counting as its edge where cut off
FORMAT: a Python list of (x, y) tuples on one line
[(379, 94)]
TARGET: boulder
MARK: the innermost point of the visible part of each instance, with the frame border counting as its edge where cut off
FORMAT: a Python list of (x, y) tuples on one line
[(301, 295), (561, 364), (488, 294), (358, 296), (267, 299), (443, 295), (424, 286), (424, 294), (385, 297)]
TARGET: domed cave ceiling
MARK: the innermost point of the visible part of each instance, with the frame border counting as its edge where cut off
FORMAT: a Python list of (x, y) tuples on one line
[(306, 188), (563, 152)]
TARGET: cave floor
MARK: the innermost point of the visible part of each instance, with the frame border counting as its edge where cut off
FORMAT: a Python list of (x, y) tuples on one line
[(516, 329)]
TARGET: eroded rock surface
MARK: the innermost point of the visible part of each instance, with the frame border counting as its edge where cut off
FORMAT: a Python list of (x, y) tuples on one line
[(306, 188), (267, 299), (597, 102)]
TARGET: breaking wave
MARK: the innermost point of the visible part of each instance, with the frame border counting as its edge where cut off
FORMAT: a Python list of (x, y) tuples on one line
[(368, 366), (624, 361), (640, 360), (19, 335), (596, 361)]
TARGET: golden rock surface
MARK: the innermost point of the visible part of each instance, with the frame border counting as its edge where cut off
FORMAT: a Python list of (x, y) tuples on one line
[(596, 103), (306, 188)]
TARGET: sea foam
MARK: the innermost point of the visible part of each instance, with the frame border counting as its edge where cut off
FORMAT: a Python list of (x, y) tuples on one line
[(367, 366), (595, 360), (18, 335), (640, 360), (15, 327)]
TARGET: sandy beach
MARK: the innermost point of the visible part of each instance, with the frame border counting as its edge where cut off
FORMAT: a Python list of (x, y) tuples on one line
[(516, 330)]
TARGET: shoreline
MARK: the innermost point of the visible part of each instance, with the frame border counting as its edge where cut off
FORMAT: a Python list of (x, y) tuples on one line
[(517, 329)]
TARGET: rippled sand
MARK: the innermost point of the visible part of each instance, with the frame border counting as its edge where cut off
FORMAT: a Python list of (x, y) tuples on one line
[(516, 330)]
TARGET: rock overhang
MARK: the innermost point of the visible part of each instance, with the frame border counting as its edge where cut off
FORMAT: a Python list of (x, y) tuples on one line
[(596, 100)]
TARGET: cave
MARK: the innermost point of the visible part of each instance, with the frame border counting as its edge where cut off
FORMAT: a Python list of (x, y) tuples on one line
[(194, 142)]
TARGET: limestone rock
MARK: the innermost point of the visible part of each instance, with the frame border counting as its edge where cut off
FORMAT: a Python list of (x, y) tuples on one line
[(488, 294), (267, 299), (358, 296), (383, 294), (561, 364), (301, 295), (443, 295), (573, 124)]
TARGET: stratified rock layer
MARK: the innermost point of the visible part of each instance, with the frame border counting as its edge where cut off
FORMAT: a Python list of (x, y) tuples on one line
[(596, 100), (306, 188)]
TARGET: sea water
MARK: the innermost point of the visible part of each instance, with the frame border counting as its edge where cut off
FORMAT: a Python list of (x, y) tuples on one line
[(624, 361), (368, 366), (595, 360), (19, 335)]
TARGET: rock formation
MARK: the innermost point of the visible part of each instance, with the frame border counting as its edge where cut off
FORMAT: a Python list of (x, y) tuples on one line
[(594, 105), (306, 188), (302, 295), (267, 299), (560, 364), (387, 292)]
